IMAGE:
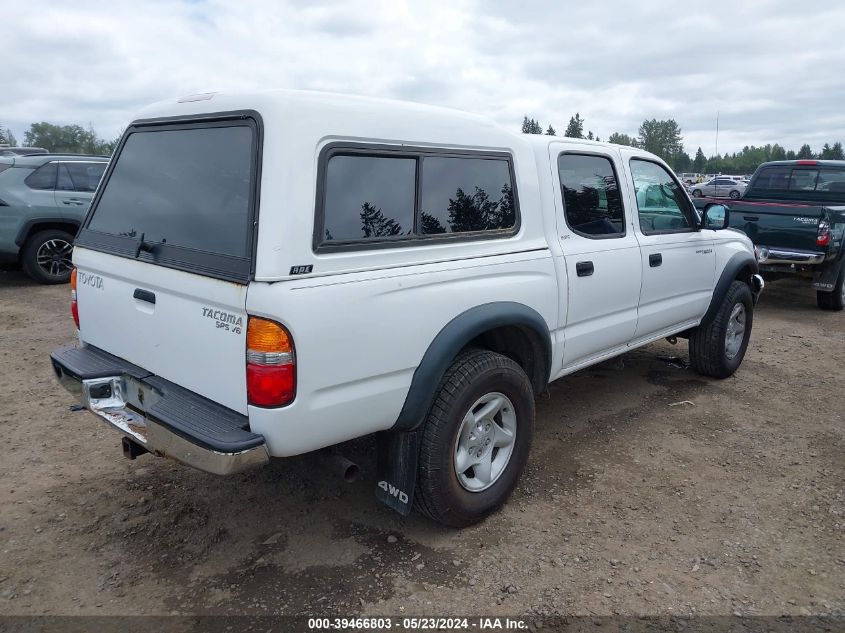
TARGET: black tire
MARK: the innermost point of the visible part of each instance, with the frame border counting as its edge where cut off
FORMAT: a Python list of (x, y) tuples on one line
[(707, 343), (472, 376), (696, 193), (734, 195), (835, 300), (56, 244)]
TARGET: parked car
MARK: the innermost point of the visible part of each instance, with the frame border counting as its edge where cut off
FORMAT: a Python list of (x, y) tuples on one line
[(268, 274), (794, 211), (689, 178), (43, 198), (6, 150), (719, 187)]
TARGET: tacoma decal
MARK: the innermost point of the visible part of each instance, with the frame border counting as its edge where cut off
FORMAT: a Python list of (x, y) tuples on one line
[(224, 320)]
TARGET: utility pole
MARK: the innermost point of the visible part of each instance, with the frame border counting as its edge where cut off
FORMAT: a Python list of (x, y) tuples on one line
[(717, 132)]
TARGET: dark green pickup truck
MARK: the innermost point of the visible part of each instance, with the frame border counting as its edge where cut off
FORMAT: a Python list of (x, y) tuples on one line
[(794, 212)]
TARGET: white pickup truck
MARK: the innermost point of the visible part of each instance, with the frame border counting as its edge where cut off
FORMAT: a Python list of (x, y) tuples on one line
[(262, 275)]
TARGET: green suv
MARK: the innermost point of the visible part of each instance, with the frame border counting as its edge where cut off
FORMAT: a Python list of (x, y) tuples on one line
[(43, 199)]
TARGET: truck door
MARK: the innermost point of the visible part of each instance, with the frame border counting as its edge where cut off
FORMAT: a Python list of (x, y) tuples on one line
[(678, 262), (602, 254)]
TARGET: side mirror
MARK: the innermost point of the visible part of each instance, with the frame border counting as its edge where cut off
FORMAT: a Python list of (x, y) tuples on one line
[(715, 217)]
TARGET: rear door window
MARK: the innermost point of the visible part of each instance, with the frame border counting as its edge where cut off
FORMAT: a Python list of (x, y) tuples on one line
[(591, 200), (186, 192), (43, 178), (80, 176)]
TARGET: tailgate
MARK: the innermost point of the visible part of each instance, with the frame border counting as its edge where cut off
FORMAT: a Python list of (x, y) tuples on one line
[(778, 225), (164, 257)]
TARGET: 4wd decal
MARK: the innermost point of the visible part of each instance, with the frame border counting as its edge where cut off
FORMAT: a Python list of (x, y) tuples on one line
[(224, 320), (393, 491)]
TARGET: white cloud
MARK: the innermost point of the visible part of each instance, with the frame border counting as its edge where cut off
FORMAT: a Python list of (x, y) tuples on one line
[(770, 68)]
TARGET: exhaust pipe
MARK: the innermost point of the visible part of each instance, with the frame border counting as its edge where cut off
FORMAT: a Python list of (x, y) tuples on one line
[(340, 466)]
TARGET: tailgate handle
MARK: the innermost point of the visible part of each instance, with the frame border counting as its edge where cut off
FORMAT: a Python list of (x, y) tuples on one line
[(750, 218), (144, 295)]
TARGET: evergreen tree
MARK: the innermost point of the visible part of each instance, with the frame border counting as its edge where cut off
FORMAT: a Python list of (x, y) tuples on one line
[(430, 224), (805, 152), (375, 224), (575, 129), (551, 131), (699, 161), (778, 153), (836, 152), (621, 139), (826, 152), (531, 126), (590, 136)]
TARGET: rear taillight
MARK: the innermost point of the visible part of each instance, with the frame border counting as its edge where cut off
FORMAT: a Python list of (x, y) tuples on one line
[(74, 307), (270, 364), (823, 235)]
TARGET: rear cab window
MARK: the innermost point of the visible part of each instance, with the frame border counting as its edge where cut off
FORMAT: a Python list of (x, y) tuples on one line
[(180, 195)]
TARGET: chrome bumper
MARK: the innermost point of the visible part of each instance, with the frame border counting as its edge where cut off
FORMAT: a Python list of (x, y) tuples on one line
[(120, 400), (766, 255)]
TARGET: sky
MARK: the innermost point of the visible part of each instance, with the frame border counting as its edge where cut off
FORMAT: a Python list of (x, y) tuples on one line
[(772, 69)]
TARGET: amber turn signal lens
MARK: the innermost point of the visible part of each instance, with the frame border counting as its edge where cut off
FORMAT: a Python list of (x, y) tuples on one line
[(266, 336), (73, 279)]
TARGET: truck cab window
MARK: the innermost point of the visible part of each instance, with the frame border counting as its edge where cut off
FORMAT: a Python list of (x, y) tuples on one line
[(591, 200), (663, 207)]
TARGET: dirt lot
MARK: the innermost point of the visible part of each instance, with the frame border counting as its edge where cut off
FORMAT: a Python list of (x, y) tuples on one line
[(731, 504)]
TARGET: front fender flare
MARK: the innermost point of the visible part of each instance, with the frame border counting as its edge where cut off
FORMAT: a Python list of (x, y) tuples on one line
[(736, 264)]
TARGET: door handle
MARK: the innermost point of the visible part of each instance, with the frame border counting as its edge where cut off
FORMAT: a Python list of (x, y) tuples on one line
[(144, 295), (584, 269), (655, 260)]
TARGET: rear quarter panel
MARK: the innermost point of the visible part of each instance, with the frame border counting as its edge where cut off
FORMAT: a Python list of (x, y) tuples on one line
[(360, 336)]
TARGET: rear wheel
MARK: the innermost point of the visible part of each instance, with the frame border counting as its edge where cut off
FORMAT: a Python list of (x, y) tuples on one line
[(46, 256), (696, 193), (834, 300), (734, 195), (718, 346), (475, 440)]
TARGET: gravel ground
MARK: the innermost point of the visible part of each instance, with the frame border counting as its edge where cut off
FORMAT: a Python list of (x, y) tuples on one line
[(650, 490)]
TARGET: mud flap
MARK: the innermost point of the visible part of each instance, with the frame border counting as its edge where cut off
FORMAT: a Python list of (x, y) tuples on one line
[(824, 279), (397, 469)]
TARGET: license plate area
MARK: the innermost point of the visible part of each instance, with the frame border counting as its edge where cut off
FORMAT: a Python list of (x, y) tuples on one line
[(121, 401)]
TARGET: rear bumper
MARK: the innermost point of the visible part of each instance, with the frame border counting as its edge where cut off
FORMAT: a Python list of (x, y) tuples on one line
[(159, 416), (769, 255)]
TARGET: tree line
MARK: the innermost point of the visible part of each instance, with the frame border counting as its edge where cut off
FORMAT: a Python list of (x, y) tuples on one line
[(664, 138), (72, 139)]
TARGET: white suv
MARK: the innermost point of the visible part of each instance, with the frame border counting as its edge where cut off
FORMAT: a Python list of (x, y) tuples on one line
[(263, 275)]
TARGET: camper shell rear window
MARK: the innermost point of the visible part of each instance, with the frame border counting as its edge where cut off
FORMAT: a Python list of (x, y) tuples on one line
[(182, 194)]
